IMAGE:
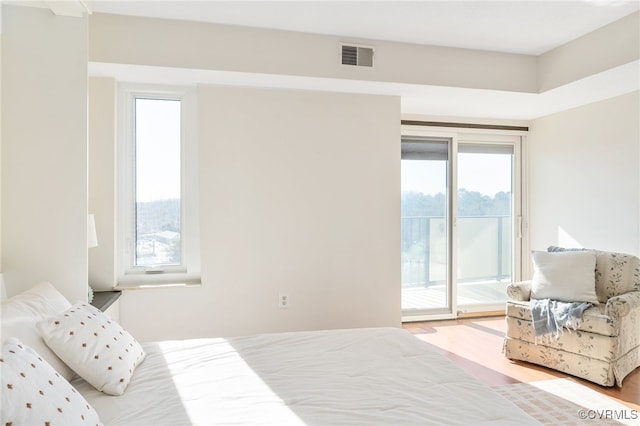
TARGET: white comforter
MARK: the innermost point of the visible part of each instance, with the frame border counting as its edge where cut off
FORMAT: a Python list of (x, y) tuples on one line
[(380, 376)]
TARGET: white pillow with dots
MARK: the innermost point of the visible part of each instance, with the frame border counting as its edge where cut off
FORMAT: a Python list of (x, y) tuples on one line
[(94, 346), (34, 393)]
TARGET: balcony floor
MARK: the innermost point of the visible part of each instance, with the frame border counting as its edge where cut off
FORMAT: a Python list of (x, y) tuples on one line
[(468, 294)]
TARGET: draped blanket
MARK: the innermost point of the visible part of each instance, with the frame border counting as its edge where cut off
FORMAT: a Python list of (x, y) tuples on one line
[(551, 316)]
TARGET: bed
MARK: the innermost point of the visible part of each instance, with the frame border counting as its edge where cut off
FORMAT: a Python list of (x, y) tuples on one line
[(375, 376)]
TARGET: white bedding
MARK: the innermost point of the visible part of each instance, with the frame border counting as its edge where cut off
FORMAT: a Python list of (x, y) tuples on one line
[(380, 376)]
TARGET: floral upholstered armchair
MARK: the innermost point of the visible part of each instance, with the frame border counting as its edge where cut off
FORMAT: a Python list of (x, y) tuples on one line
[(605, 347)]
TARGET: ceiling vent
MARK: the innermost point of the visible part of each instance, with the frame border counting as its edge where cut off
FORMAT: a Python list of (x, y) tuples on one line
[(359, 56)]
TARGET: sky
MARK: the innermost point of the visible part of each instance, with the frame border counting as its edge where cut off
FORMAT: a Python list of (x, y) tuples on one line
[(158, 143), (485, 173)]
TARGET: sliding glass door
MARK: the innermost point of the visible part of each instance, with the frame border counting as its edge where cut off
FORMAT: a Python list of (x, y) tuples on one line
[(485, 223), (425, 225), (461, 261)]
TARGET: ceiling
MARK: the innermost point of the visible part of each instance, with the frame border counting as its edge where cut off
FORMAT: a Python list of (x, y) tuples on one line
[(526, 27), (522, 26)]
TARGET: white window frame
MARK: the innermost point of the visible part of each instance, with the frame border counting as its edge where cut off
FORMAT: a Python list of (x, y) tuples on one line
[(518, 139), (130, 275)]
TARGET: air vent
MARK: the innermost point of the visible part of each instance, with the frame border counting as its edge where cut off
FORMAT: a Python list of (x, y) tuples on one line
[(359, 56)]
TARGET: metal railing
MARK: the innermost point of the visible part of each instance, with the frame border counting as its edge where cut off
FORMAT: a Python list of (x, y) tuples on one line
[(484, 249)]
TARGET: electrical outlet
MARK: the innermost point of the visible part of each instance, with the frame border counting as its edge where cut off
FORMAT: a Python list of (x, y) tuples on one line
[(283, 300)]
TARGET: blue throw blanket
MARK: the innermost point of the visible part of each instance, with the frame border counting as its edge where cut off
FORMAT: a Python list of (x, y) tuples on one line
[(550, 316)]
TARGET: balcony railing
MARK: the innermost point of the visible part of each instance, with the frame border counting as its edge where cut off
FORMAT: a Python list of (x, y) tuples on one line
[(484, 249)]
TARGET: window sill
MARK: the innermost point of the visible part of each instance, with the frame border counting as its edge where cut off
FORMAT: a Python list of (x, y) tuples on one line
[(150, 286)]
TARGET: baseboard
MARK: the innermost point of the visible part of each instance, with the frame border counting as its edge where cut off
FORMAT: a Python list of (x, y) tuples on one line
[(481, 314)]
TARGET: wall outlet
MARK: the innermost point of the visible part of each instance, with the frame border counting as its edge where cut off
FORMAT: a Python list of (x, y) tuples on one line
[(283, 300)]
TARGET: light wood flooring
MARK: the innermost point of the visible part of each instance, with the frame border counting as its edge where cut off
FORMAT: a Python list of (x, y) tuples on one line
[(475, 344)]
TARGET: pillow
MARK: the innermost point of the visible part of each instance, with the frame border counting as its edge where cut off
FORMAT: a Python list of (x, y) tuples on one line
[(97, 348), (34, 393), (568, 276), (616, 273), (552, 249), (21, 313)]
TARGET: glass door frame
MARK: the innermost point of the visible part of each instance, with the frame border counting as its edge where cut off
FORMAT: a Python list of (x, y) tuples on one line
[(442, 311), (517, 139)]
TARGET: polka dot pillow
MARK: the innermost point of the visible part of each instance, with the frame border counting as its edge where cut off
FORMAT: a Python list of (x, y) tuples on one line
[(94, 346), (33, 393)]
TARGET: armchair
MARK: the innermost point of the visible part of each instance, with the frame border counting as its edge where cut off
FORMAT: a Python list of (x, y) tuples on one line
[(605, 348)]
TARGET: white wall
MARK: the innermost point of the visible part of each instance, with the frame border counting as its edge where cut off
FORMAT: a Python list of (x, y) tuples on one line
[(584, 177), (608, 47), (299, 192), (44, 150), (0, 140), (102, 180), (204, 46)]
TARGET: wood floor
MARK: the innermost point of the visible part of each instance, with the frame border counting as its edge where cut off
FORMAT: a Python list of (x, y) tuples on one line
[(475, 344)]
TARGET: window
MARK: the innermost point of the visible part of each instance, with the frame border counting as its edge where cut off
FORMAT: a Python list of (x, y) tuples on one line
[(158, 210), (157, 167)]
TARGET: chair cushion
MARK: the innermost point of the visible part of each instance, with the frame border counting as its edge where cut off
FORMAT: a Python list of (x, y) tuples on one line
[(594, 320), (591, 345)]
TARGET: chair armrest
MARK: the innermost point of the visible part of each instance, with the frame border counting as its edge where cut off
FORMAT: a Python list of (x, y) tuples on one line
[(520, 291), (619, 306)]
